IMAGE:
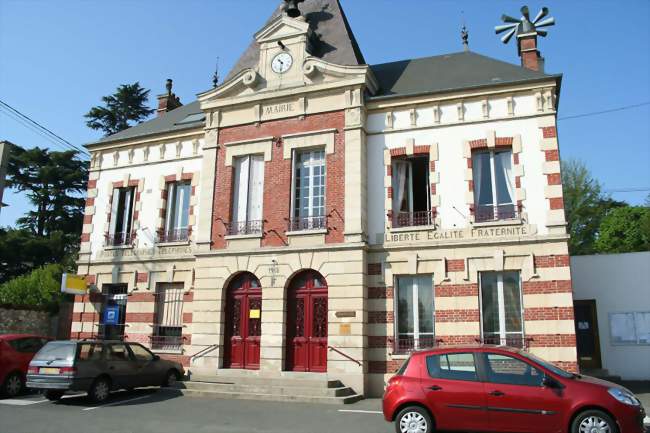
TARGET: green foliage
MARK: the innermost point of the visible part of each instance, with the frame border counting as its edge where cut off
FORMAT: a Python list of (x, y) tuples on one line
[(127, 104), (625, 229), (41, 288), (54, 183), (585, 206)]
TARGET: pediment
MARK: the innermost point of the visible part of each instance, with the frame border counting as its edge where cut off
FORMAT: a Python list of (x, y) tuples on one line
[(281, 28)]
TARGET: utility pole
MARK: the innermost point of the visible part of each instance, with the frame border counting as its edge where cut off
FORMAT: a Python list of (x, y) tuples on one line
[(5, 146)]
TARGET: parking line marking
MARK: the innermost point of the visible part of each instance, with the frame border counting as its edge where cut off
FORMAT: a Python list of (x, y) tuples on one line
[(117, 402), (18, 402), (359, 411)]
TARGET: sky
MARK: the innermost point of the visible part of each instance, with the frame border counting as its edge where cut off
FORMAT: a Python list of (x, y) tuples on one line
[(58, 58)]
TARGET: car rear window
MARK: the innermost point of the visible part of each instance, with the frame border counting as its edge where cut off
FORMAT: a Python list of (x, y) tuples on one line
[(56, 351), (402, 369)]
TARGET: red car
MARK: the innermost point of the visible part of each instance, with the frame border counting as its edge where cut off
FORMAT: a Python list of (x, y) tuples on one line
[(16, 350), (500, 389)]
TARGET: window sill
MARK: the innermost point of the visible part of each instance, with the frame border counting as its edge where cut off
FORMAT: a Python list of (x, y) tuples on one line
[(399, 355), (412, 228), (167, 352), (251, 236), (306, 232), (118, 247), (509, 222), (173, 243)]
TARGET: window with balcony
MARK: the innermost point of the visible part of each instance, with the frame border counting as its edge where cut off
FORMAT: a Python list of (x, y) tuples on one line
[(177, 213), (168, 317), (248, 194), (308, 207), (120, 231), (494, 193), (411, 197), (414, 313), (501, 309)]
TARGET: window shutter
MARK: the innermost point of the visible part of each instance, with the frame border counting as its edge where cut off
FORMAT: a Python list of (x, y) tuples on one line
[(114, 211), (240, 193)]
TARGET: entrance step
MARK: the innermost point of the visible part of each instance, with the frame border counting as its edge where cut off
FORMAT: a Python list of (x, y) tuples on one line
[(317, 389)]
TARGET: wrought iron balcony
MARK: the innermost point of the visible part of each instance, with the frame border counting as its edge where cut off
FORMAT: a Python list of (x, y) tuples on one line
[(403, 345), (307, 223), (167, 342), (175, 235), (486, 213), (119, 239), (244, 228), (413, 219)]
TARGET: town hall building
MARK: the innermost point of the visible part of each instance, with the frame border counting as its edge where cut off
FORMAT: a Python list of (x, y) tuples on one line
[(314, 216)]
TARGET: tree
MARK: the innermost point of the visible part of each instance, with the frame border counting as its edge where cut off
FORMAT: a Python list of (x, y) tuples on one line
[(41, 289), (127, 104), (54, 183), (585, 206), (625, 229)]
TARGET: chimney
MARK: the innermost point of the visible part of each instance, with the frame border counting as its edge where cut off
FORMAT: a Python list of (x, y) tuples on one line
[(530, 56), (168, 101)]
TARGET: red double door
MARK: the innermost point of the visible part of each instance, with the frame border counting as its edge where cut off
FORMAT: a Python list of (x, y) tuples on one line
[(243, 323), (307, 323)]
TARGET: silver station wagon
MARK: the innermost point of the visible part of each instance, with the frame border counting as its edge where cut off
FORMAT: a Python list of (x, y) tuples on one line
[(98, 367)]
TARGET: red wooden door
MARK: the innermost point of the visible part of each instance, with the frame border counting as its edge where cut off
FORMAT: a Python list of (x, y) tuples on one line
[(307, 323), (243, 323)]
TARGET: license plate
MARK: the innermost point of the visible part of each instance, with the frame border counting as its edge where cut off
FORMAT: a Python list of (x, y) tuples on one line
[(49, 371)]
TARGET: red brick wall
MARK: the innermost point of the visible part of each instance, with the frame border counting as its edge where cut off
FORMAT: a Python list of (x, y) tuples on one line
[(277, 178)]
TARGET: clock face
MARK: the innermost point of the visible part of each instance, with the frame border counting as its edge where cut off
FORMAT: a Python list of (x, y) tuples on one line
[(281, 63)]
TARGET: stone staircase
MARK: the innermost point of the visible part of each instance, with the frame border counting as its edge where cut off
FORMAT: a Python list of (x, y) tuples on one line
[(299, 387)]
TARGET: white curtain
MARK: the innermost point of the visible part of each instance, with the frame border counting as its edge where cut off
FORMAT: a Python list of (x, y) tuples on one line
[(503, 163), (170, 304), (171, 201), (240, 193), (183, 205), (114, 210), (126, 221), (400, 169), (477, 165), (256, 188)]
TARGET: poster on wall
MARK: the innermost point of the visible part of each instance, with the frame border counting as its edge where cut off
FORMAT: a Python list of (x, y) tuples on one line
[(630, 327)]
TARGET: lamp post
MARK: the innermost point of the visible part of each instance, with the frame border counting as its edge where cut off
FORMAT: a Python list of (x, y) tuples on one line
[(4, 158)]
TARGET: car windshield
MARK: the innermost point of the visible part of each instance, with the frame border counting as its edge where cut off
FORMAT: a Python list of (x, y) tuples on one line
[(547, 365), (56, 351)]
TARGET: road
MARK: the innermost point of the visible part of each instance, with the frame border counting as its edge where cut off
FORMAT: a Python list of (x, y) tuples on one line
[(165, 411)]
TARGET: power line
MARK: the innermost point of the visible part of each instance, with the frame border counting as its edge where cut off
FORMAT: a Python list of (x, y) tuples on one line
[(42, 128), (33, 129), (594, 113), (640, 189)]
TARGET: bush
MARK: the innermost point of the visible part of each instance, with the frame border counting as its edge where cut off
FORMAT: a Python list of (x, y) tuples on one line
[(40, 289), (624, 230)]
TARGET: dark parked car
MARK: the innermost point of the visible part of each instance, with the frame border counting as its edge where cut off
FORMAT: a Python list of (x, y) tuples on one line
[(16, 350), (98, 367), (500, 389)]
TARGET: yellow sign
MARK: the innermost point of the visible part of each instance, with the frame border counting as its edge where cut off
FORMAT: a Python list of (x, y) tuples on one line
[(345, 329), (74, 284), (254, 314)]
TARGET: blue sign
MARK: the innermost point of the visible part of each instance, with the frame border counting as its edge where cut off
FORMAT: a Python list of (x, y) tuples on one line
[(111, 315)]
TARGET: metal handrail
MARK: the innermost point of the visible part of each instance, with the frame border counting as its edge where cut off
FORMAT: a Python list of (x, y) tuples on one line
[(204, 351), (344, 355)]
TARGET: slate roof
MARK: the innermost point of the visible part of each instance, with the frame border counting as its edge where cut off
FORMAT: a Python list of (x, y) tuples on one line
[(463, 70)]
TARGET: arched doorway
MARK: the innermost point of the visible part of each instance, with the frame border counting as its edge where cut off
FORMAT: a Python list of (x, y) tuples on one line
[(307, 323), (243, 322)]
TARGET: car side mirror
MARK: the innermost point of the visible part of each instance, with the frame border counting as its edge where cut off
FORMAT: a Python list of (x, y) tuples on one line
[(156, 358), (549, 382)]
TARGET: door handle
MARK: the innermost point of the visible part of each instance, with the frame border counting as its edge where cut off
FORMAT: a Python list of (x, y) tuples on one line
[(435, 388), (497, 393)]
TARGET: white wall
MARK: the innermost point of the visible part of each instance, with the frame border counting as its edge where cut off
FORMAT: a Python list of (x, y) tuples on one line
[(151, 171), (618, 283), (452, 163)]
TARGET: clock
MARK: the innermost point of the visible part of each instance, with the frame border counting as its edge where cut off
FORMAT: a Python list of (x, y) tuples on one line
[(281, 63)]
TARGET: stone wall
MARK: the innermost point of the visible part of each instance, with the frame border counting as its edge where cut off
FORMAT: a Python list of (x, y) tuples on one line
[(27, 322)]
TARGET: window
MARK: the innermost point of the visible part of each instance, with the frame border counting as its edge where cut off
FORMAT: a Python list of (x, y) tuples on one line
[(118, 352), (630, 328), (501, 312), (512, 371), (411, 198), (452, 366), (89, 351), (308, 208), (121, 223), (248, 195), (168, 326), (493, 186), (414, 311), (178, 212), (140, 353)]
